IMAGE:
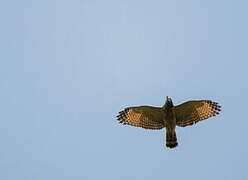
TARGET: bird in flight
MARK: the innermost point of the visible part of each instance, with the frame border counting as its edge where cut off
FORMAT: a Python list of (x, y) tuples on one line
[(169, 116)]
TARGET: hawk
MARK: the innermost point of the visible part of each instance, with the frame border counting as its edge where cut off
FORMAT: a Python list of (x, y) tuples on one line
[(169, 116)]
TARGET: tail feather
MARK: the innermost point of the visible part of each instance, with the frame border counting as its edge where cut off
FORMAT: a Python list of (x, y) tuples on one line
[(171, 139)]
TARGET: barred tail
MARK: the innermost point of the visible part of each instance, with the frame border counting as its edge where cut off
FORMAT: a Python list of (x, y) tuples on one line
[(171, 138)]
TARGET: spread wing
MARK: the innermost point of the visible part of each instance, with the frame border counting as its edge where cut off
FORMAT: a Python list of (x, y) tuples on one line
[(144, 116), (192, 112)]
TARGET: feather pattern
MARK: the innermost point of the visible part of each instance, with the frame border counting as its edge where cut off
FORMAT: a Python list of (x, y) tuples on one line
[(192, 112), (147, 117)]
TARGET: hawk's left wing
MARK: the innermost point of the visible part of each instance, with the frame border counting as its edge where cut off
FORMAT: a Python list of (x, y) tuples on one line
[(147, 117), (192, 112)]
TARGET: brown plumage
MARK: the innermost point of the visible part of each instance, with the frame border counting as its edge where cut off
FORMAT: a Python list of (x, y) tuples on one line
[(169, 116)]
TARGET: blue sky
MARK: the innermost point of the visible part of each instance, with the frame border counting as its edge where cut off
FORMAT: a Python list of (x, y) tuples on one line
[(68, 67)]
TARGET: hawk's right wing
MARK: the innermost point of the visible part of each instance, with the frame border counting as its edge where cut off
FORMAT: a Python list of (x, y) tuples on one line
[(192, 112), (147, 117)]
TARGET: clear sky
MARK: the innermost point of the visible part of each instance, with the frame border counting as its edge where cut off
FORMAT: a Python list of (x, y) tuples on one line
[(68, 67)]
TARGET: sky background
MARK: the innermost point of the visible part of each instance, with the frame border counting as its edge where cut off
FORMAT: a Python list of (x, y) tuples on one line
[(68, 67)]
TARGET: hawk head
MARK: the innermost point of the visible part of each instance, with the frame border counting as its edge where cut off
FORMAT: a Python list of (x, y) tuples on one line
[(168, 103)]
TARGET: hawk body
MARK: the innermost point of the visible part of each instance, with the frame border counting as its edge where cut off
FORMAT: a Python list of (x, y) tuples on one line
[(169, 116), (170, 124)]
